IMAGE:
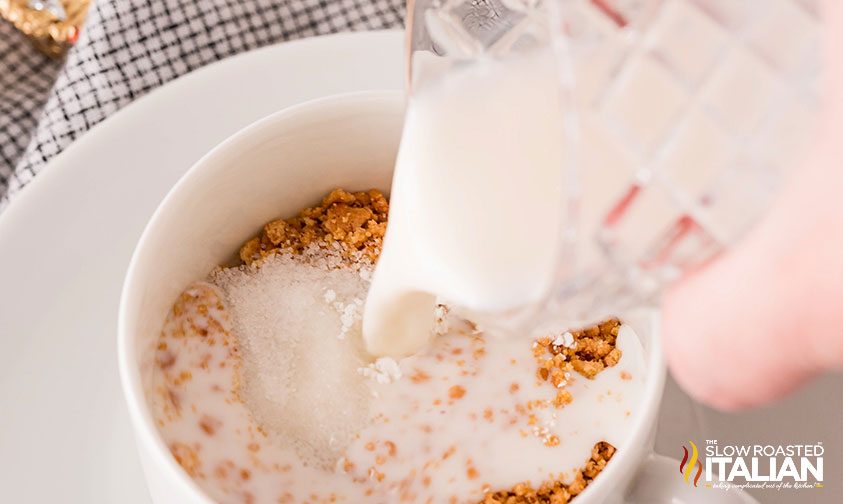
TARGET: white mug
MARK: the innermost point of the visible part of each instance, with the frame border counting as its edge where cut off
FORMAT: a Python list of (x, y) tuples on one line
[(273, 168)]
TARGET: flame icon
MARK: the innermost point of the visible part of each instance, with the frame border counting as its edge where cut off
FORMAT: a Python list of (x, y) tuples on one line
[(686, 471)]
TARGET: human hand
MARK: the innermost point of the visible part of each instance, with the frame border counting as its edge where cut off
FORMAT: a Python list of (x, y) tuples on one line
[(768, 315)]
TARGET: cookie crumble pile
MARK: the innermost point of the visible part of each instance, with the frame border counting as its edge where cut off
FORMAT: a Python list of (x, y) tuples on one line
[(556, 492), (586, 351), (356, 222)]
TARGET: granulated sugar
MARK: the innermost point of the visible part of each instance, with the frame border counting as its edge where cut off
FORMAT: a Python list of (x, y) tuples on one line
[(293, 316)]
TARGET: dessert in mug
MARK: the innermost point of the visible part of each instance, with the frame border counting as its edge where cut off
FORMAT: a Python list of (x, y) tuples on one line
[(264, 392)]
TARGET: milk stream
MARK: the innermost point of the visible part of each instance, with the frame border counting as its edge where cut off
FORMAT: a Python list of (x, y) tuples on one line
[(477, 198)]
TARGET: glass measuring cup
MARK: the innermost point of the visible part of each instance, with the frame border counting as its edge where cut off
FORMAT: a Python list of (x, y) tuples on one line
[(685, 118)]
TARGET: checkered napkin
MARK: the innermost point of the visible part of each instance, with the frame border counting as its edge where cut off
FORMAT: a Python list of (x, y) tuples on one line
[(129, 47)]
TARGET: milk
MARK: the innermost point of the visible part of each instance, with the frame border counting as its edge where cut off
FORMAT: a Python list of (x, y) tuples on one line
[(477, 200), (419, 443), (503, 448)]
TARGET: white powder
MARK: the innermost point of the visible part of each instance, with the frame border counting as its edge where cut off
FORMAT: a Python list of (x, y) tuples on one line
[(565, 340), (383, 370), (292, 316)]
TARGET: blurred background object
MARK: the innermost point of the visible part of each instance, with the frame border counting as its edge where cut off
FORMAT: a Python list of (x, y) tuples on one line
[(51, 25), (127, 48)]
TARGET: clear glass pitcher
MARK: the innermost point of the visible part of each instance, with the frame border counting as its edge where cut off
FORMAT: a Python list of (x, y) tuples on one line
[(685, 116)]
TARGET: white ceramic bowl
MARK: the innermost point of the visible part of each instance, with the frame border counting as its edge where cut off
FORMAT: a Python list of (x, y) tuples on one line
[(275, 167)]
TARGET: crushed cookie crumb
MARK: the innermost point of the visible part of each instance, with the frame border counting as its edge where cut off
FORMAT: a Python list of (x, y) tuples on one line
[(456, 392), (554, 491), (355, 221), (586, 351), (471, 472), (188, 458), (419, 376), (209, 424)]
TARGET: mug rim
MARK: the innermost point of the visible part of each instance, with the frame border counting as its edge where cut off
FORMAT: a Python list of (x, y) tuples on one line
[(646, 421), (144, 429)]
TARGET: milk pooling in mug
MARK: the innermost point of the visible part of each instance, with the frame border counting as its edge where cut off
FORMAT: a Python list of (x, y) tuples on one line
[(477, 199)]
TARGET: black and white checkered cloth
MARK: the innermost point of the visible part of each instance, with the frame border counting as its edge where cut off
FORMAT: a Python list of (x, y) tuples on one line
[(129, 47)]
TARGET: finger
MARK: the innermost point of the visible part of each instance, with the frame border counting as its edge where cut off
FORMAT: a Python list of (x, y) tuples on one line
[(730, 329)]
